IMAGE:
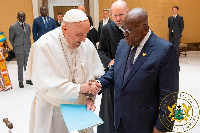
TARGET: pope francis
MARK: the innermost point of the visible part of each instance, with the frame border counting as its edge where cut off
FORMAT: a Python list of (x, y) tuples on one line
[(60, 64)]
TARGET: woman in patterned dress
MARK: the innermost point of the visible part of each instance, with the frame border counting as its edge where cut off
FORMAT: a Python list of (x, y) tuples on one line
[(5, 83)]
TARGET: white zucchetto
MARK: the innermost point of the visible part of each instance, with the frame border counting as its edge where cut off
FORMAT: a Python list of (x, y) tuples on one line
[(75, 15)]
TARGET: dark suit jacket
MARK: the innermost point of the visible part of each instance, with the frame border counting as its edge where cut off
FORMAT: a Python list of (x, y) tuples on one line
[(101, 25), (176, 25), (152, 77), (108, 42), (19, 39), (92, 35), (57, 24), (39, 28)]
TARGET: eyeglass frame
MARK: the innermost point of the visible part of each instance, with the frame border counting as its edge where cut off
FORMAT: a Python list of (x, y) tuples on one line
[(129, 32)]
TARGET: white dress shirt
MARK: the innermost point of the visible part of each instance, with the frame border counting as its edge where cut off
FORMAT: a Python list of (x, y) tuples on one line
[(139, 48)]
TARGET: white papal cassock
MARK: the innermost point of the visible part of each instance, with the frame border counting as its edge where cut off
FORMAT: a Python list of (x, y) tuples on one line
[(49, 70)]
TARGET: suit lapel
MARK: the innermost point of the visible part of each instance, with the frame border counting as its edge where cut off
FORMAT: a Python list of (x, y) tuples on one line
[(145, 52), (124, 56), (48, 23), (42, 22), (19, 27)]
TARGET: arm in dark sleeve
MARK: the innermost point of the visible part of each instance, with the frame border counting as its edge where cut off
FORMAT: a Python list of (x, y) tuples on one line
[(35, 31), (168, 81), (169, 22), (102, 49), (11, 35), (99, 29), (54, 24), (107, 79), (181, 24)]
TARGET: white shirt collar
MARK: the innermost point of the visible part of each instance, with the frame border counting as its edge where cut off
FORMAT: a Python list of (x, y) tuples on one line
[(45, 18), (175, 15), (20, 23), (91, 27), (105, 21), (139, 48), (144, 40)]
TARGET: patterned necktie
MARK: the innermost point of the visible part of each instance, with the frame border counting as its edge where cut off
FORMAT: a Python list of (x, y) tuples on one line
[(45, 22), (129, 62), (22, 26)]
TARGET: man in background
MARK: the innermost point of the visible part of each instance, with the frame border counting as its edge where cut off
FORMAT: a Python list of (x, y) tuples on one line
[(19, 36), (176, 26), (59, 19), (42, 24), (109, 39), (106, 19), (82, 8)]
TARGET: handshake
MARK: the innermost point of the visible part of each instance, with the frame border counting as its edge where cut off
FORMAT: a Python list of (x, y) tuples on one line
[(92, 87)]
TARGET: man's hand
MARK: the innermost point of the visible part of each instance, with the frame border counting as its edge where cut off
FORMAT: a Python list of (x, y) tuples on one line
[(111, 63), (92, 87), (90, 104), (155, 130)]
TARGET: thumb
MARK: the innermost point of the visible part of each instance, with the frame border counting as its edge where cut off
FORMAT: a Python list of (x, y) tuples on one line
[(88, 107)]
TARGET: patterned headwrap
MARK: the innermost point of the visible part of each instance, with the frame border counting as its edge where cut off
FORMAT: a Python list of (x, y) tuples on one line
[(2, 37)]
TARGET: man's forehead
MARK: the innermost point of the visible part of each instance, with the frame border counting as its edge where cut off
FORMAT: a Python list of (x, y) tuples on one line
[(118, 10), (21, 14)]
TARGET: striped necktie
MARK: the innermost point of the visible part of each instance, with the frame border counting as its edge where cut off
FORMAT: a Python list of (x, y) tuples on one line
[(129, 62)]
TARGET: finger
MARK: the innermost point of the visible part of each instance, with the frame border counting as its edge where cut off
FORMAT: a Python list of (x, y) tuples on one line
[(98, 85), (88, 107), (93, 107), (94, 93), (97, 89)]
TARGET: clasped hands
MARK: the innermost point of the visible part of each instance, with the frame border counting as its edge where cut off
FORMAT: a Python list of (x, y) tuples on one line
[(92, 87)]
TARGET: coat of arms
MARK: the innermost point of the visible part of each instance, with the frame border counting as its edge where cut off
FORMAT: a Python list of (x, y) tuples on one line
[(181, 113)]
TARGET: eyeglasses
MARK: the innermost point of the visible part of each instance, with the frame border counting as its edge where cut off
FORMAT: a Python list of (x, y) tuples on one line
[(129, 32)]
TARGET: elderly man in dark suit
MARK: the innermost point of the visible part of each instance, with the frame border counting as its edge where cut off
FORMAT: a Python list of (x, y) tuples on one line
[(106, 19), (42, 24), (176, 26), (19, 36), (145, 71)]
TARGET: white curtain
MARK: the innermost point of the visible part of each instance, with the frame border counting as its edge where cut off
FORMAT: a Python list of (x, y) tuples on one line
[(94, 12), (36, 7)]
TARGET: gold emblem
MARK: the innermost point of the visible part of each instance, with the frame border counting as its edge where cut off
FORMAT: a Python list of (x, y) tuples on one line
[(181, 112)]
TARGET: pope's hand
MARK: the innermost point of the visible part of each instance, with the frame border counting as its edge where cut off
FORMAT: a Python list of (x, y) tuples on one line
[(90, 104), (92, 87)]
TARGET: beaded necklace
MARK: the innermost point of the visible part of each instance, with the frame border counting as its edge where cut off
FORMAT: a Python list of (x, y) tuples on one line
[(73, 62)]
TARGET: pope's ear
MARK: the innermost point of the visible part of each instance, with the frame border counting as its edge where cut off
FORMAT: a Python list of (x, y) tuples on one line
[(64, 28)]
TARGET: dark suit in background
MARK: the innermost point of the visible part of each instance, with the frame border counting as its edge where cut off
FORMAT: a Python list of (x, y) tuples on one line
[(21, 43), (58, 24), (152, 77), (177, 25), (101, 25), (39, 28), (93, 36)]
